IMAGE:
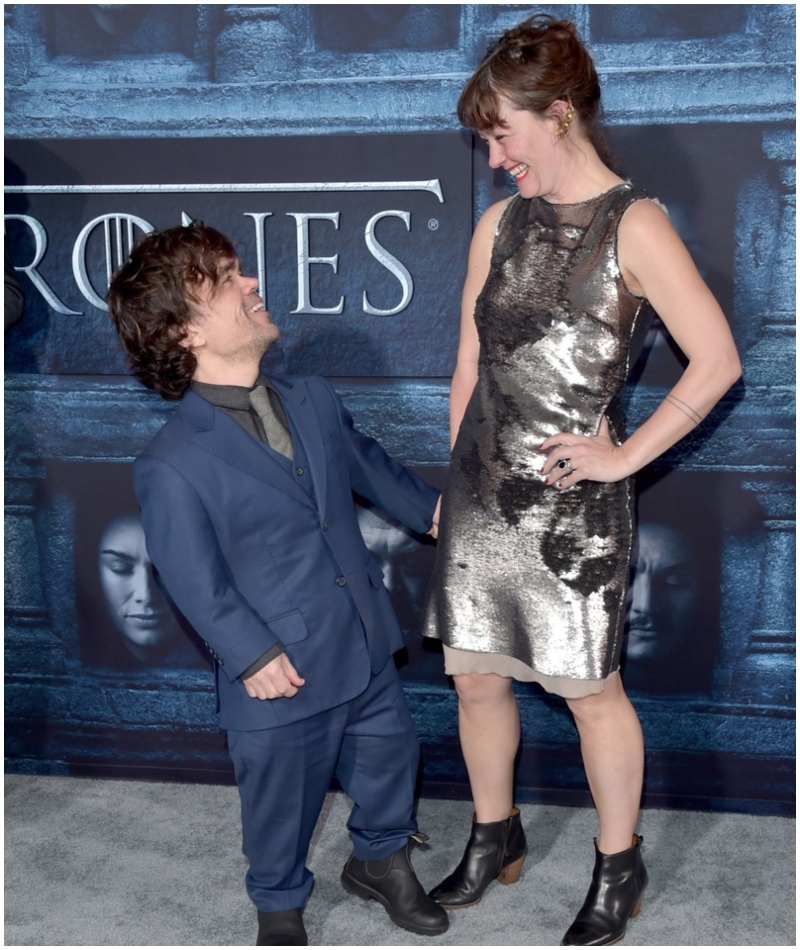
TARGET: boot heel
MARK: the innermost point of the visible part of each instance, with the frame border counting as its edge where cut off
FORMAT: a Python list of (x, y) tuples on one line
[(511, 872), (638, 907)]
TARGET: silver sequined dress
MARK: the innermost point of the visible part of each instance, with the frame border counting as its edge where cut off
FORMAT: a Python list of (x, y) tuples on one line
[(522, 569)]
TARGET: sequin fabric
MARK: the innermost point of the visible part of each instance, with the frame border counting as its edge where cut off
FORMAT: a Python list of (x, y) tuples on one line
[(521, 568)]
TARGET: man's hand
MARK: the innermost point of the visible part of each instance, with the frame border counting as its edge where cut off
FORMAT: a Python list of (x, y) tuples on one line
[(433, 531), (278, 678)]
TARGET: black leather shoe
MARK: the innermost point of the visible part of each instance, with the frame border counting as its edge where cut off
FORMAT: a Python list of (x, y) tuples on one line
[(496, 849), (614, 898), (393, 883), (281, 928)]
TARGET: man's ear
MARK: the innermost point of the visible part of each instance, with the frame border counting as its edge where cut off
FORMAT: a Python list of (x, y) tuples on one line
[(192, 338)]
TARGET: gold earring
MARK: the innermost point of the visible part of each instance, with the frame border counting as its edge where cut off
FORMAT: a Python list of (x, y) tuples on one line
[(566, 122)]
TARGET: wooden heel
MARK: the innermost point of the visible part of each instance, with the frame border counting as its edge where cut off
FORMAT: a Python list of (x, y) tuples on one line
[(638, 907), (511, 872)]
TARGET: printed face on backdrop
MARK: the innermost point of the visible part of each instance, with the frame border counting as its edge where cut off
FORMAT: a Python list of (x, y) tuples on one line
[(663, 595), (135, 602), (406, 561), (394, 550)]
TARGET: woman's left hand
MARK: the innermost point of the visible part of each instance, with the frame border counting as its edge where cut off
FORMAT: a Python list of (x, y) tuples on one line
[(575, 458), (433, 531)]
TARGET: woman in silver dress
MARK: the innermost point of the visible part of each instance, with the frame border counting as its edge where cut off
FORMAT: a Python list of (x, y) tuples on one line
[(537, 526)]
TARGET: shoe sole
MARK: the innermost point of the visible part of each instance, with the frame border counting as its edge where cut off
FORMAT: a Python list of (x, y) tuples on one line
[(357, 889), (634, 913), (609, 944), (459, 906)]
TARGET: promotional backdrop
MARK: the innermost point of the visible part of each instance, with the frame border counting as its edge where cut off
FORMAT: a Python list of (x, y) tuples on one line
[(322, 140)]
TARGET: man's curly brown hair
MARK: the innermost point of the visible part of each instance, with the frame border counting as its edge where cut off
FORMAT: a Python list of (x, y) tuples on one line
[(151, 300)]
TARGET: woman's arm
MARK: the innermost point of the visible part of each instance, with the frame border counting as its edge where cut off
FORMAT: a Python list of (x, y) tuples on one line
[(465, 375), (656, 264)]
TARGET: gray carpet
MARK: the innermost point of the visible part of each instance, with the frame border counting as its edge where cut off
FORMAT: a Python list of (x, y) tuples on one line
[(119, 863)]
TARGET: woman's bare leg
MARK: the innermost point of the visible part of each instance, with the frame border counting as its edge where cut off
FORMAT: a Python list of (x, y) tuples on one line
[(488, 726), (613, 756)]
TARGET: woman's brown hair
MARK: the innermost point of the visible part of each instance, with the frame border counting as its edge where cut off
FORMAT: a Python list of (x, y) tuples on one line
[(531, 66)]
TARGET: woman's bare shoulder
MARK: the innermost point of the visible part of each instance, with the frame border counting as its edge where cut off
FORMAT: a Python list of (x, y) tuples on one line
[(486, 228)]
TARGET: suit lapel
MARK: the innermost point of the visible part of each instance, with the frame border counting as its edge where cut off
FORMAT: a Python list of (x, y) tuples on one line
[(305, 425), (215, 432)]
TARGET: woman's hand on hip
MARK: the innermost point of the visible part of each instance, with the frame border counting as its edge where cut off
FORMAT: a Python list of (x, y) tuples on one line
[(575, 458)]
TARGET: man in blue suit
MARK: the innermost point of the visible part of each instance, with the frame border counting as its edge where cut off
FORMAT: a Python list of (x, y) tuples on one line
[(247, 505)]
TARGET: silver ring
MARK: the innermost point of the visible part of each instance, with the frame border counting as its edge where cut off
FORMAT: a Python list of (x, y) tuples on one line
[(565, 465)]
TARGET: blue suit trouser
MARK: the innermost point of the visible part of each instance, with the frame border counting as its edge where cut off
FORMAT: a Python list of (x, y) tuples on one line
[(284, 773)]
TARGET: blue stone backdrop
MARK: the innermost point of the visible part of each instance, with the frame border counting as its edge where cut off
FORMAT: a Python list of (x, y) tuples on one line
[(700, 107)]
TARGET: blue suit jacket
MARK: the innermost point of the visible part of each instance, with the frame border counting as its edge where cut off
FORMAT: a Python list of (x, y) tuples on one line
[(251, 559)]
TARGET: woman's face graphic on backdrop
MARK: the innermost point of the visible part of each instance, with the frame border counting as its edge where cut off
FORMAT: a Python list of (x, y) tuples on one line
[(135, 602)]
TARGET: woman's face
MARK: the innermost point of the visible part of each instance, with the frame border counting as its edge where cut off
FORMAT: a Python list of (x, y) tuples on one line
[(527, 148), (135, 602)]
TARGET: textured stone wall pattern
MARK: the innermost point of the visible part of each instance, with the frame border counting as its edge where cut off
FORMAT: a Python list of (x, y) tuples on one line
[(700, 104)]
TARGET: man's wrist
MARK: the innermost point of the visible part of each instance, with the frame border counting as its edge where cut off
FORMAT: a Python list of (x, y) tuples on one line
[(262, 661)]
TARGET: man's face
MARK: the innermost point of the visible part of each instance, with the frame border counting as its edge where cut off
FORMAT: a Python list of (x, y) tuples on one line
[(663, 596), (230, 325)]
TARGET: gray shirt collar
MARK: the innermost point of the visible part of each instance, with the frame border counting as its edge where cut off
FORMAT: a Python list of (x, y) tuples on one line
[(229, 397)]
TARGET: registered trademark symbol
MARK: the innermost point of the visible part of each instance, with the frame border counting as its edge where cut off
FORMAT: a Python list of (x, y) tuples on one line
[(433, 224)]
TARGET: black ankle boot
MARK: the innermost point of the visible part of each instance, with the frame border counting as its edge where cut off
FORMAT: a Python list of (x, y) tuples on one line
[(393, 883), (496, 849), (281, 928), (615, 896)]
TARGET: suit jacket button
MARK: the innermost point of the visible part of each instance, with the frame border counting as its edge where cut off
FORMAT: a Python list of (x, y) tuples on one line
[(341, 581), (299, 471), (324, 525)]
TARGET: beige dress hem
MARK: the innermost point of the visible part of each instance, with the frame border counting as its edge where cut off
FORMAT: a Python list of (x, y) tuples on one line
[(459, 662)]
